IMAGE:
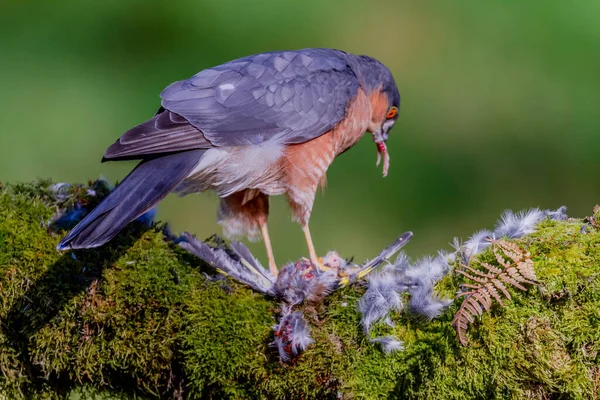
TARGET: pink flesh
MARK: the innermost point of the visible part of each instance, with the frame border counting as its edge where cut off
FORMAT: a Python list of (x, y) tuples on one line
[(382, 150)]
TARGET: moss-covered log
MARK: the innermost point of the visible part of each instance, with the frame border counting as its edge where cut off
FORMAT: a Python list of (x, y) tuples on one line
[(139, 318)]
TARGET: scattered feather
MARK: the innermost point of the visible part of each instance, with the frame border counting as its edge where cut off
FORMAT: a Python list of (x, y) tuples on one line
[(383, 296), (389, 344), (425, 302), (387, 287), (477, 243), (560, 214), (516, 225), (428, 269), (292, 336), (233, 265), (383, 257), (512, 225)]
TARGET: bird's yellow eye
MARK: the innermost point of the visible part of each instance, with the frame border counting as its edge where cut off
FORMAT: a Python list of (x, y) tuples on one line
[(392, 113)]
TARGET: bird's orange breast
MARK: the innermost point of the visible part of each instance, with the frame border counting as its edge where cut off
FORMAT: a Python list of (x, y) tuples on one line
[(304, 165)]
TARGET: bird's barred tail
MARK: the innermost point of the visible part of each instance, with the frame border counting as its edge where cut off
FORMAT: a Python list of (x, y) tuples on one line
[(141, 190)]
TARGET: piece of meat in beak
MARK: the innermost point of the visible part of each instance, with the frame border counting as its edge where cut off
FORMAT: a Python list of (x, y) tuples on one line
[(383, 153), (380, 138)]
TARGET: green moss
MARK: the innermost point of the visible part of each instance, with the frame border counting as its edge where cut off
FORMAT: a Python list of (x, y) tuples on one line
[(138, 319)]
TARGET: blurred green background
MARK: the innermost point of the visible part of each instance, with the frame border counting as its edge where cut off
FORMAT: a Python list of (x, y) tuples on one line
[(500, 105)]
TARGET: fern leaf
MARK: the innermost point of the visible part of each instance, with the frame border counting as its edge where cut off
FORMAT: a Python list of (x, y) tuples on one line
[(479, 273), (514, 268), (508, 247), (500, 258), (493, 270), (468, 285), (526, 269), (491, 288), (472, 277), (498, 284), (507, 278), (473, 307)]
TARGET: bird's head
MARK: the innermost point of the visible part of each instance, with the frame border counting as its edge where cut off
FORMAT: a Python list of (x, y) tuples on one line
[(385, 106), (379, 84)]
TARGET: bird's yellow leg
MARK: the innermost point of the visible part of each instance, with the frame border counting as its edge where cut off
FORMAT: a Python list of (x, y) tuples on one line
[(267, 239), (316, 261)]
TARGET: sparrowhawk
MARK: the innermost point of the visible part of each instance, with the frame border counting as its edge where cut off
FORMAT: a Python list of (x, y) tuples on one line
[(259, 126)]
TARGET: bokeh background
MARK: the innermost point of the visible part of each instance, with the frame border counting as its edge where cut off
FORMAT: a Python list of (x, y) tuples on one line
[(500, 104)]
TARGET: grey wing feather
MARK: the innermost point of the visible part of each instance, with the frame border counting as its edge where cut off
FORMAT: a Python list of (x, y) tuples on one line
[(292, 96), (166, 132)]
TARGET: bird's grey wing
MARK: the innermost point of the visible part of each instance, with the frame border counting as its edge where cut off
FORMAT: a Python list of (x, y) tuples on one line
[(167, 132), (290, 96)]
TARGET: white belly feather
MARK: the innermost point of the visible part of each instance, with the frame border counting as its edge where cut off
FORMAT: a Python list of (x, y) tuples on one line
[(231, 169)]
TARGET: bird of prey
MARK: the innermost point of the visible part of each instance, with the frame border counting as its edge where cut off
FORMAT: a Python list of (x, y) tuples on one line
[(263, 125)]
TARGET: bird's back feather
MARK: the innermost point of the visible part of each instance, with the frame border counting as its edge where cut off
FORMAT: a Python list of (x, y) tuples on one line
[(166, 132), (286, 97), (290, 97)]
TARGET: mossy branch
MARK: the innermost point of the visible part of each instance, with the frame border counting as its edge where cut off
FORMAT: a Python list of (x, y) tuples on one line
[(139, 318)]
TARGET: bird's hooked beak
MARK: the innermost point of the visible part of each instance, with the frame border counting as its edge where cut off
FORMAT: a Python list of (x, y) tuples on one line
[(380, 137)]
